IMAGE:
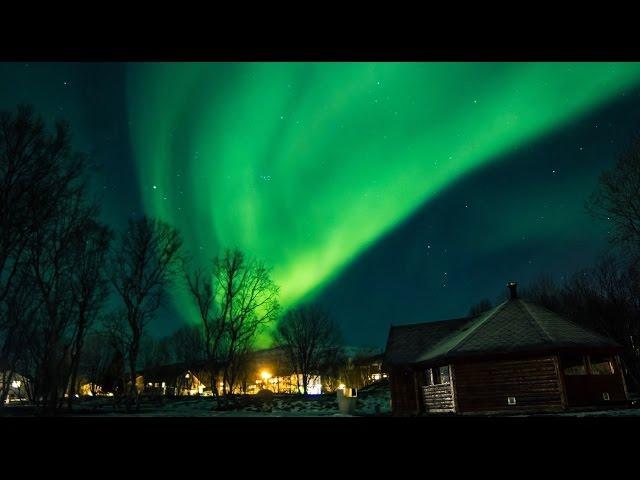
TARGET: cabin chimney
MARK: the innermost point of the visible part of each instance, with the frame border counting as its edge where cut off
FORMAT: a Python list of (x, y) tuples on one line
[(513, 289)]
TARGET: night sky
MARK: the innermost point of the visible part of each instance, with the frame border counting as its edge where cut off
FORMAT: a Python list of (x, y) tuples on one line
[(388, 193)]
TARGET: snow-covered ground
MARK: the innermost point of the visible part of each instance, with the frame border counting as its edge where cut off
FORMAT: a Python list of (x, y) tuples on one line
[(373, 400)]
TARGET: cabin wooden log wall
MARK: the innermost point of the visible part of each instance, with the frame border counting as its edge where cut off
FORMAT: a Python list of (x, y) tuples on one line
[(486, 386), (438, 398)]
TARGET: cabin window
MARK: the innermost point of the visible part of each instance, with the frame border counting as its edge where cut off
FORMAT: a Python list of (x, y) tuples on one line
[(428, 377), (601, 365), (574, 366), (437, 375), (444, 374)]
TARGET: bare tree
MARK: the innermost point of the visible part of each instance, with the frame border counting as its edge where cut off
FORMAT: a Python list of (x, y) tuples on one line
[(308, 335), (200, 284), (246, 300), (47, 227), (38, 170), (145, 261), (17, 328), (117, 333), (89, 287), (617, 200), (62, 320), (95, 359), (35, 169)]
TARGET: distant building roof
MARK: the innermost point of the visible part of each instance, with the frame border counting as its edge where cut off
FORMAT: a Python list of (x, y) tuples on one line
[(511, 327)]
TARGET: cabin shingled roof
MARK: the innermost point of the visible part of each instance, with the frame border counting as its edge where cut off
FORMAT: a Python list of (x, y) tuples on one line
[(513, 326)]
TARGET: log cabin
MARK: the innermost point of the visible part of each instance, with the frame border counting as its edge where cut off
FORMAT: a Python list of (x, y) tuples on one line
[(515, 357)]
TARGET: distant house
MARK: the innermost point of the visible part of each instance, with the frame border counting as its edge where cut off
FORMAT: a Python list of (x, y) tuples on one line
[(364, 366), (517, 356), (175, 379), (272, 370), (90, 389), (18, 388)]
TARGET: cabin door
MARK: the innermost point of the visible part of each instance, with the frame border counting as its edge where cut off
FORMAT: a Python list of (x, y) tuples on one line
[(404, 393)]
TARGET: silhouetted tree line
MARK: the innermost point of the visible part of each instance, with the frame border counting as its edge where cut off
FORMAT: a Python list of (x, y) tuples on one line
[(76, 299), (52, 257)]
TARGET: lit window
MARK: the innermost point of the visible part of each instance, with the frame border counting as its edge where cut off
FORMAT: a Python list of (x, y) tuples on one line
[(16, 384), (437, 375), (601, 365), (574, 366), (428, 377), (444, 374)]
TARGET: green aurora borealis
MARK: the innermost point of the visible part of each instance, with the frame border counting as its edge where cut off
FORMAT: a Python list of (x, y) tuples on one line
[(306, 165)]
